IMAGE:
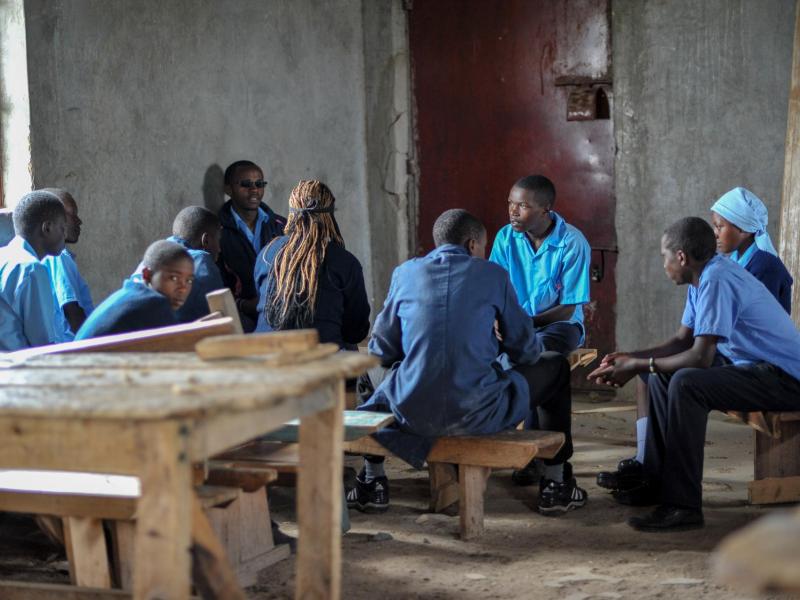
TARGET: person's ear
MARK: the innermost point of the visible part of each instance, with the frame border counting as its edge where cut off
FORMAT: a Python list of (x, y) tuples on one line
[(46, 228), (228, 190), (147, 275), (204, 239), (682, 258)]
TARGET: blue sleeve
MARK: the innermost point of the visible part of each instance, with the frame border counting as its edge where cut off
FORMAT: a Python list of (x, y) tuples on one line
[(387, 336), (355, 322), (261, 276), (498, 254), (62, 284), (36, 305), (520, 341), (688, 309), (716, 309), (575, 272)]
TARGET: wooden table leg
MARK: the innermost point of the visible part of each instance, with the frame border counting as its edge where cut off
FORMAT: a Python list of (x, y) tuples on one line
[(319, 502), (162, 561)]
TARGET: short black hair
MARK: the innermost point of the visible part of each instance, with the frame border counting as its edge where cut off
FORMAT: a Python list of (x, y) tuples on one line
[(34, 209), (544, 192), (692, 235), (192, 222), (164, 253), (456, 226), (233, 168)]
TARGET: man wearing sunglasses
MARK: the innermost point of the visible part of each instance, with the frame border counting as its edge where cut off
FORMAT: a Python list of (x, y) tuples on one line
[(247, 226)]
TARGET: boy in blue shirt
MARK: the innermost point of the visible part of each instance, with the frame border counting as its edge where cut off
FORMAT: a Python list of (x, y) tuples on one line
[(148, 302), (27, 307), (197, 229), (73, 298), (548, 262), (740, 222), (436, 335), (730, 317), (247, 226)]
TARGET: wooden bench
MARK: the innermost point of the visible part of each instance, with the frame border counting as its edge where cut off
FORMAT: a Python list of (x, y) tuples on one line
[(776, 457), (460, 466)]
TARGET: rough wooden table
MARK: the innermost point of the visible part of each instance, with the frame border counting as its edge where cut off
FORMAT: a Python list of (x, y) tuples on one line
[(154, 415)]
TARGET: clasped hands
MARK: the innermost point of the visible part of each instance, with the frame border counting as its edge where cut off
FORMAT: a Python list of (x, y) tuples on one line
[(616, 369)]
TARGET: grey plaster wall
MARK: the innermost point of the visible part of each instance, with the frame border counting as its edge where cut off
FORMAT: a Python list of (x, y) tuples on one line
[(701, 96), (138, 106)]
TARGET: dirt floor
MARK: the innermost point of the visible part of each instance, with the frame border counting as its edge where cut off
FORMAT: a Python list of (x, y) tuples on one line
[(587, 554)]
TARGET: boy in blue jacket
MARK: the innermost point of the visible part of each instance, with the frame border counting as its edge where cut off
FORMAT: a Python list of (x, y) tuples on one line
[(147, 303), (436, 335), (27, 303)]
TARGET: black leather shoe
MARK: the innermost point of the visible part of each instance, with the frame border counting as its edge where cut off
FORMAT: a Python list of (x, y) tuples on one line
[(629, 474), (669, 518), (645, 494)]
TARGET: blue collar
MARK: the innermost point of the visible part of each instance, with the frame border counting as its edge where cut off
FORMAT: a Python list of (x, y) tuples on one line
[(556, 237), (447, 249), (179, 240), (21, 243), (744, 258)]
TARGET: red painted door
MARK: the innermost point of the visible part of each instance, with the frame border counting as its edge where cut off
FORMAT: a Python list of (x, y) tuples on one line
[(492, 83)]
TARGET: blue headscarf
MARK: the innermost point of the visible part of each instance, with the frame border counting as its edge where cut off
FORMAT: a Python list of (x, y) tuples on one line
[(745, 210)]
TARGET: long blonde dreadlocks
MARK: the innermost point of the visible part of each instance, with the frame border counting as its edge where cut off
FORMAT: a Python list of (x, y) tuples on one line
[(311, 226)]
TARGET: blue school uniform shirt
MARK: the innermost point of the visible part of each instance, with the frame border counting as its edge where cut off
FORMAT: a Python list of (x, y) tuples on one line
[(68, 286), (342, 308), (770, 271), (207, 279), (254, 236), (132, 308), (558, 273), (27, 302), (436, 333), (733, 305)]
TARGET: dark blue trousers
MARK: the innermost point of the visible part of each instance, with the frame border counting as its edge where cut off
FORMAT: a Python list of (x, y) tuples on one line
[(679, 407)]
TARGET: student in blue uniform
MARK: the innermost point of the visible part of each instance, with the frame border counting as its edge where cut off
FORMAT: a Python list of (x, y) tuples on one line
[(307, 278), (728, 314), (27, 303), (436, 335), (740, 226), (148, 302), (247, 226), (197, 229), (548, 262), (73, 298), (740, 222)]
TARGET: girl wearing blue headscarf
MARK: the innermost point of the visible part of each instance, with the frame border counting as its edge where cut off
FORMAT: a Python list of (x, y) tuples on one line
[(740, 224)]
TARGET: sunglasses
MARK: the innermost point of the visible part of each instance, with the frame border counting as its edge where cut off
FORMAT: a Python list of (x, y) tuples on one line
[(249, 183)]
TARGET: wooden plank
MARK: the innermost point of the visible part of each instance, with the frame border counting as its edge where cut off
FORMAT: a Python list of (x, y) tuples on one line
[(164, 517), (123, 536), (85, 544), (357, 424), (283, 458), (778, 457), (319, 503), (774, 490), (472, 485), (211, 573), (175, 338), (788, 248), (581, 357), (232, 346), (222, 301), (249, 478), (16, 590), (443, 479), (504, 450)]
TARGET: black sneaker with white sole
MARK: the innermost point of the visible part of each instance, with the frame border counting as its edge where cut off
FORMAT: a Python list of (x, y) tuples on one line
[(556, 498), (369, 496)]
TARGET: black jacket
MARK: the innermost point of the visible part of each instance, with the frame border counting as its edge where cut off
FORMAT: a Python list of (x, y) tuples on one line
[(237, 257)]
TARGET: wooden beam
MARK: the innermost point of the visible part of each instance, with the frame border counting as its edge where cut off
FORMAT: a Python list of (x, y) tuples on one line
[(444, 485), (774, 490), (472, 485), (15, 590), (319, 503), (85, 543), (788, 247), (222, 301)]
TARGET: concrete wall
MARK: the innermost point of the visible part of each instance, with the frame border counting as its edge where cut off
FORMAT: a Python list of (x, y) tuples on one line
[(138, 106), (701, 96)]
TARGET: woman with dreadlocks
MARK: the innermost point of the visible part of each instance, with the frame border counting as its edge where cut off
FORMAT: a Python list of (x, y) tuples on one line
[(306, 278)]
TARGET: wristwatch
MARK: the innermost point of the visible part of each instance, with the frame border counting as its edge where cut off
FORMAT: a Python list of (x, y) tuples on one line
[(652, 365)]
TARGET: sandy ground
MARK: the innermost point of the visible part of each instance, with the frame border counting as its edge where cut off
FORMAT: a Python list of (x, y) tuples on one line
[(587, 554)]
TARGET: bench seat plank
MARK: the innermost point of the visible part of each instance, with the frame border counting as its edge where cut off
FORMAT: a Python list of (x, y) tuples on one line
[(357, 424)]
